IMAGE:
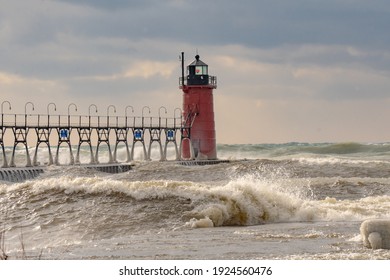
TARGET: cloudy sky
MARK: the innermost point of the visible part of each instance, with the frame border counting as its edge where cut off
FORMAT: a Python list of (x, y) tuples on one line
[(302, 70)]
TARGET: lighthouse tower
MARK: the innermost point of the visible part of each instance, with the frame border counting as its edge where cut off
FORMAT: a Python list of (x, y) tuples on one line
[(198, 111)]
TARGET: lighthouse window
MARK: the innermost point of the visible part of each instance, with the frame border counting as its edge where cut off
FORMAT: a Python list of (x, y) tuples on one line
[(201, 70)]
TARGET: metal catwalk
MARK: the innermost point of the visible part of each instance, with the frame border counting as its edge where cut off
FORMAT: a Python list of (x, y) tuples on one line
[(51, 131)]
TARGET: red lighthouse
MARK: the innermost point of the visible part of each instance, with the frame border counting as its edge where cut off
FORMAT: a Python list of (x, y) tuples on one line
[(198, 111)]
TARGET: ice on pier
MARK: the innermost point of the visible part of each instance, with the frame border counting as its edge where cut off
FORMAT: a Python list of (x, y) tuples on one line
[(376, 233)]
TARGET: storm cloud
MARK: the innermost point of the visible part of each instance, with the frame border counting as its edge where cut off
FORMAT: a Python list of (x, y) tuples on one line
[(287, 70)]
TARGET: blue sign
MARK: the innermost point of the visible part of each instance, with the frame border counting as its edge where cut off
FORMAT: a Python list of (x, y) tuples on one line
[(170, 134), (138, 134), (64, 133)]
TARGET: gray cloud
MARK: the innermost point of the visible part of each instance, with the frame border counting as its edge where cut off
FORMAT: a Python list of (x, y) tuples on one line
[(112, 4), (261, 24), (257, 23), (263, 52)]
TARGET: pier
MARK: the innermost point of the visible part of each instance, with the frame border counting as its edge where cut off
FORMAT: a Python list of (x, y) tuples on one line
[(51, 132)]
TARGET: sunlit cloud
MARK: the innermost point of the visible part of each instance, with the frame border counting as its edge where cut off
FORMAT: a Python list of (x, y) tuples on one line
[(296, 77), (147, 69)]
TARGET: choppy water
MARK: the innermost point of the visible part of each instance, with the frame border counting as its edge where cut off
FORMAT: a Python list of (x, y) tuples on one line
[(275, 201)]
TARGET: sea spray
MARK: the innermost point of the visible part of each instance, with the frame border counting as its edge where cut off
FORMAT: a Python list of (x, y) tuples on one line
[(249, 200)]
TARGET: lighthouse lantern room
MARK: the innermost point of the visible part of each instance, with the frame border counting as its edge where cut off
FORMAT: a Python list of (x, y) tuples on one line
[(198, 111)]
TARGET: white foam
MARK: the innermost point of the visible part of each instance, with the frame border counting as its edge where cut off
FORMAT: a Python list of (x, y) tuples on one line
[(201, 223), (336, 160)]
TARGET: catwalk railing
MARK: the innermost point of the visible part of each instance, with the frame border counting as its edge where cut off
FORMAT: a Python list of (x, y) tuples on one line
[(32, 131)]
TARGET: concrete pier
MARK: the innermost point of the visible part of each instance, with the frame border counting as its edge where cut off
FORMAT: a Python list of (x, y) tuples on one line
[(202, 162), (109, 168), (20, 174)]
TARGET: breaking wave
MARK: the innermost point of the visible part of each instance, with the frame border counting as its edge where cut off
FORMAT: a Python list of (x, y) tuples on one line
[(248, 200)]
